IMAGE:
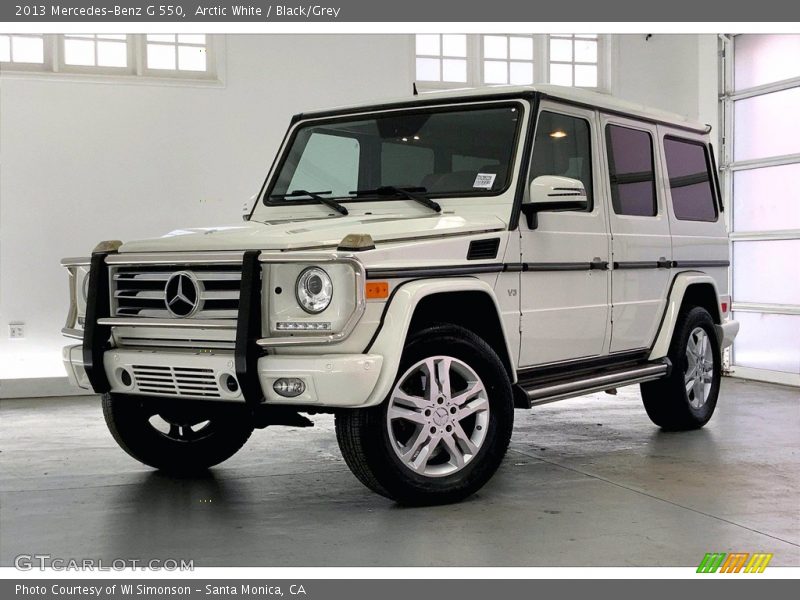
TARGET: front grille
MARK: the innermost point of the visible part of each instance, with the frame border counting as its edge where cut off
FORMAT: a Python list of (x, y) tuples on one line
[(176, 381), (141, 291)]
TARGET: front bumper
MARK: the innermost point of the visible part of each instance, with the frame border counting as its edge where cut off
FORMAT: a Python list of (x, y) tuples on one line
[(331, 380)]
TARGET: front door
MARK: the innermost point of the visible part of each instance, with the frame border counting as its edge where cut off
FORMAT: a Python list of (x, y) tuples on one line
[(565, 281)]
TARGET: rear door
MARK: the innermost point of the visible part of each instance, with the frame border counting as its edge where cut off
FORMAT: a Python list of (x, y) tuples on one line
[(641, 246)]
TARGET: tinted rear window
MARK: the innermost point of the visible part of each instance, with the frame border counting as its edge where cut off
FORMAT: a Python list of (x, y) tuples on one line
[(630, 165), (690, 183)]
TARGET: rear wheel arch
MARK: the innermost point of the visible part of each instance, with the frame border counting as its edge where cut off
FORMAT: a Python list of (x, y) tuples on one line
[(702, 294)]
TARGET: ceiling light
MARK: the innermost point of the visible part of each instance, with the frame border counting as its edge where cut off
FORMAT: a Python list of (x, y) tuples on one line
[(558, 134)]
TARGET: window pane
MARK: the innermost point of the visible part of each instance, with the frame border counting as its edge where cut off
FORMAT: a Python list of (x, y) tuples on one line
[(765, 58), (586, 51), (766, 199), (495, 46), (690, 181), (766, 272), (454, 45), (495, 71), (160, 57), (768, 341), (191, 58), (79, 52), (5, 48), (521, 48), (630, 161), (428, 44), (428, 69), (767, 125), (192, 39), (561, 74), (329, 162), (112, 54), (521, 73), (586, 75), (406, 165), (563, 147), (27, 49), (153, 37), (560, 50), (454, 70)]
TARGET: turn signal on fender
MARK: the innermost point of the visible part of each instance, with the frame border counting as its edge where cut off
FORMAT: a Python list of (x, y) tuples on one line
[(377, 289)]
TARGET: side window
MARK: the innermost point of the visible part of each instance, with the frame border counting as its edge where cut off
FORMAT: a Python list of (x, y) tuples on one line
[(328, 163), (404, 165), (630, 165), (563, 147), (690, 180)]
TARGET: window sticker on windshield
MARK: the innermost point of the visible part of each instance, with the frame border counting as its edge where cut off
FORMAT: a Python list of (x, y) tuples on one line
[(484, 180)]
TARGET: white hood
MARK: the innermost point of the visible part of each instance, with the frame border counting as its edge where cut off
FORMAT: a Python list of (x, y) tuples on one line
[(316, 233)]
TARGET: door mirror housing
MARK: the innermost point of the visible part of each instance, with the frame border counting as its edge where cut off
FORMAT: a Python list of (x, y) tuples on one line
[(554, 193)]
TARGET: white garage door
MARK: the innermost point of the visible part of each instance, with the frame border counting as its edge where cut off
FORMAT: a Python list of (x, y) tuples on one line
[(761, 171)]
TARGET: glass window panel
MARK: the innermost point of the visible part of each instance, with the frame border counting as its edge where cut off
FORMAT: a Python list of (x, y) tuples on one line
[(112, 54), (561, 74), (630, 162), (160, 57), (495, 71), (765, 58), (454, 70), (191, 58), (766, 199), (329, 162), (428, 44), (495, 46), (563, 147), (765, 272), (428, 69), (767, 125), (521, 48), (560, 50), (521, 73), (79, 52), (5, 48), (768, 341), (158, 37), (586, 51), (690, 181), (192, 38), (591, 36), (406, 165), (454, 45), (586, 75), (27, 49)]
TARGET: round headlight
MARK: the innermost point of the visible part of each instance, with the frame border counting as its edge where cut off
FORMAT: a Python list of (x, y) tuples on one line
[(314, 290)]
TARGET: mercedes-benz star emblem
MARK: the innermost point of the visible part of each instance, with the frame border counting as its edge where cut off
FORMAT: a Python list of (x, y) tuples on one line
[(182, 294)]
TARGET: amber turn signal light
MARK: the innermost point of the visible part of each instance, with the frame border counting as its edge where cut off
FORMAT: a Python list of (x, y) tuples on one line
[(377, 289)]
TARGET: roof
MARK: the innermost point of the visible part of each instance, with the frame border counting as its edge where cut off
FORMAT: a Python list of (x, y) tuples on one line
[(572, 95)]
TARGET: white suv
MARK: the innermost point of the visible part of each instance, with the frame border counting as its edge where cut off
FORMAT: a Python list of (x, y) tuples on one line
[(420, 268)]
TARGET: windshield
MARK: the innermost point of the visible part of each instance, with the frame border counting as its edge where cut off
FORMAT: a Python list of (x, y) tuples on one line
[(441, 152)]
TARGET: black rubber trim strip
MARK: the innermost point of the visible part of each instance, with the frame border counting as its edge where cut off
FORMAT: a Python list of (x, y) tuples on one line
[(422, 272), (690, 264), (638, 264), (558, 266), (95, 337), (248, 330)]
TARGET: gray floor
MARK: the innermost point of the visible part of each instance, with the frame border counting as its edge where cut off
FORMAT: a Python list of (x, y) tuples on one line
[(587, 482)]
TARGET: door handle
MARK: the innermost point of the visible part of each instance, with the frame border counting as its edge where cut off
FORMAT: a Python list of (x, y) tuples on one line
[(663, 263), (598, 264)]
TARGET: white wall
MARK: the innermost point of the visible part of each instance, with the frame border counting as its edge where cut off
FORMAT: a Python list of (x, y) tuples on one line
[(82, 162)]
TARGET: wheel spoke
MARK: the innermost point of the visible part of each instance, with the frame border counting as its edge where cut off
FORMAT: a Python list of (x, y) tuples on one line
[(699, 390), (477, 405), (409, 400), (443, 376), (410, 449), (462, 438), (398, 412), (421, 460), (175, 430), (432, 385), (456, 455), (474, 388)]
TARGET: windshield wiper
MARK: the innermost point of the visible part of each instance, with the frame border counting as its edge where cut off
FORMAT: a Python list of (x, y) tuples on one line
[(416, 194), (317, 196)]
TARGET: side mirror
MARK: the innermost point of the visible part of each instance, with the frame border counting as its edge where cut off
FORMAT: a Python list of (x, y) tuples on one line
[(554, 193), (247, 208)]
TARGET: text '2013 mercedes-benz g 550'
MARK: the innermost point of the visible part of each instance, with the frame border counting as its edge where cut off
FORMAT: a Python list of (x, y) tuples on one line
[(420, 269)]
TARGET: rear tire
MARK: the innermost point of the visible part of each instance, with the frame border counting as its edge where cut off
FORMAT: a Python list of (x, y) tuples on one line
[(434, 440), (179, 439), (687, 398)]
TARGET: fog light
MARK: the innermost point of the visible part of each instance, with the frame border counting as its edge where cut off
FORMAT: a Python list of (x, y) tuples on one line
[(230, 383), (125, 377), (289, 387)]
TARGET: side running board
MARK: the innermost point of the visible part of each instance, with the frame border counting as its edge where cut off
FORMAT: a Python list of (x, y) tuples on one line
[(542, 392)]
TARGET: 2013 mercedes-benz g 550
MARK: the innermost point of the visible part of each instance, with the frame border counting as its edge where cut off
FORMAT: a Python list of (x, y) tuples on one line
[(421, 268)]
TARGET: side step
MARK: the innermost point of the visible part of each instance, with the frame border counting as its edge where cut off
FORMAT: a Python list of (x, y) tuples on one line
[(533, 392)]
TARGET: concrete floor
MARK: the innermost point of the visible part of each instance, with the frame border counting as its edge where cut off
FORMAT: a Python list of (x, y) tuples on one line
[(587, 482)]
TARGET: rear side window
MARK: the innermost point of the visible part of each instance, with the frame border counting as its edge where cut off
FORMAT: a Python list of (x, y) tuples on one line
[(690, 183), (630, 165)]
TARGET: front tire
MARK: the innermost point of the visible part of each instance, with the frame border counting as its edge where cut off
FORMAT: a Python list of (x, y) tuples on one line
[(176, 438), (443, 430), (687, 398)]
